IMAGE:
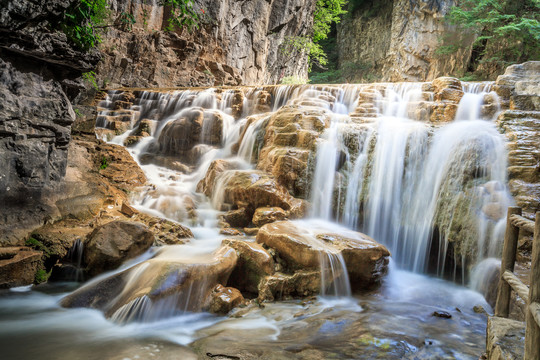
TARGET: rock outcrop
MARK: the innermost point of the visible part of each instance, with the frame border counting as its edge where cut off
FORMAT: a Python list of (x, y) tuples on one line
[(185, 280), (302, 246), (397, 40), (520, 123), (38, 72), (108, 246), (18, 266), (236, 43)]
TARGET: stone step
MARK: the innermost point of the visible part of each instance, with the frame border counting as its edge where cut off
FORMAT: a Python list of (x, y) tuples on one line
[(505, 339)]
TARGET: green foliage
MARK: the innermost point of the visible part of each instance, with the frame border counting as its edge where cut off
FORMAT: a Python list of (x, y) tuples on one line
[(104, 163), (348, 73), (293, 80), (91, 78), (42, 276), (182, 14), (327, 12), (37, 245), (508, 30), (83, 20)]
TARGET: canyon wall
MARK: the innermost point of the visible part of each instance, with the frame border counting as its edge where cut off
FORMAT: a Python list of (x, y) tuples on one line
[(237, 42), (397, 40), (38, 78)]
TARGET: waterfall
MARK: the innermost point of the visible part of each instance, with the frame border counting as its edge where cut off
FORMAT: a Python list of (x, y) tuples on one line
[(380, 166)]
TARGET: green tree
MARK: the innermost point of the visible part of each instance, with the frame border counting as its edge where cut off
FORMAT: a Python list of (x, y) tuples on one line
[(85, 19), (326, 13), (508, 31)]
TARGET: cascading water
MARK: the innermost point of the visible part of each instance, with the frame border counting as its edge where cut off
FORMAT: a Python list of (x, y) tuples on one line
[(376, 167)]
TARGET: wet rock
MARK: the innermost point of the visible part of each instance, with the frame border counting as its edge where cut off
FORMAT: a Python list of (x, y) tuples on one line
[(251, 231), (108, 246), (182, 134), (18, 266), (165, 231), (442, 314), (265, 215), (254, 188), (501, 338), (237, 218), (173, 275), (216, 168), (128, 210), (254, 263), (300, 284), (230, 232), (301, 248), (224, 299), (447, 89)]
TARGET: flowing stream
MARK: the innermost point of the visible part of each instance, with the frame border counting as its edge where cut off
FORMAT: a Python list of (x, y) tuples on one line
[(412, 185)]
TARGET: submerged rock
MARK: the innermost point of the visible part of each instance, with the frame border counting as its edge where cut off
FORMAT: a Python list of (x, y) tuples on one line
[(108, 246), (302, 245), (173, 281), (224, 299)]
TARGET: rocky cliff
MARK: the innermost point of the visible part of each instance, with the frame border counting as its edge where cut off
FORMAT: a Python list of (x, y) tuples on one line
[(236, 43), (397, 40), (37, 69)]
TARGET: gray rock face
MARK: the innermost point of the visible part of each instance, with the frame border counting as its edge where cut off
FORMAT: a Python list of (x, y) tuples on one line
[(237, 43), (35, 119), (398, 40), (35, 113)]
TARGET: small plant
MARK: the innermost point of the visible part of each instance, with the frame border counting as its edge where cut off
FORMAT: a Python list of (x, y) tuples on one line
[(41, 276), (183, 14), (127, 20), (78, 112), (104, 163), (37, 245), (91, 78)]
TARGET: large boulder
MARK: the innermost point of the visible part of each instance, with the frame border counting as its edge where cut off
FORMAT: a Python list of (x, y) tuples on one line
[(108, 246), (177, 275), (303, 245), (251, 187), (18, 266), (254, 263)]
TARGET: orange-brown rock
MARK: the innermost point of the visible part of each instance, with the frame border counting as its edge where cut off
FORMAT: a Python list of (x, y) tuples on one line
[(108, 246), (254, 263), (254, 188), (173, 272), (217, 167), (300, 284), (265, 215), (18, 266), (224, 299), (301, 246)]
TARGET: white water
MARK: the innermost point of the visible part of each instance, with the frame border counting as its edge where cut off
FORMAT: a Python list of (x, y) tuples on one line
[(389, 186)]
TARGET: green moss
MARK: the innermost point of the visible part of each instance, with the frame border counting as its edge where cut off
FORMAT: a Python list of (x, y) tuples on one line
[(42, 276), (38, 245)]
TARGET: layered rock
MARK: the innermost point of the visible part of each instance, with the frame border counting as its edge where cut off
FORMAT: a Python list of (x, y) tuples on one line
[(18, 266), (519, 122), (397, 40), (38, 67), (301, 248), (147, 55)]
